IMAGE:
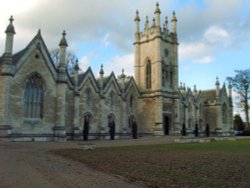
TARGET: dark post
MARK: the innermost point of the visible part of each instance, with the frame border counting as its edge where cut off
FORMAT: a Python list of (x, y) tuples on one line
[(207, 130), (183, 131), (112, 129), (134, 129), (196, 131), (86, 129)]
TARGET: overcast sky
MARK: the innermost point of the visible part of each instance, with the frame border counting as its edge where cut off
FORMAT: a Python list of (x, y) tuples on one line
[(214, 35)]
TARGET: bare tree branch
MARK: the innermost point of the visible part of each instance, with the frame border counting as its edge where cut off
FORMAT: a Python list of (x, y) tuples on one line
[(241, 85)]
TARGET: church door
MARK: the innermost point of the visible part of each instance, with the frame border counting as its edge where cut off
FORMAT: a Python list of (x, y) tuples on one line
[(166, 125), (133, 126), (111, 125), (86, 127)]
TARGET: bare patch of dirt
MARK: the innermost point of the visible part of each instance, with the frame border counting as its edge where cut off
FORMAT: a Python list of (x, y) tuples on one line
[(196, 165)]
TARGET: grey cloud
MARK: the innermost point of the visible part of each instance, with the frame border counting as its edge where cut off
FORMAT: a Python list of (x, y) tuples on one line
[(86, 20)]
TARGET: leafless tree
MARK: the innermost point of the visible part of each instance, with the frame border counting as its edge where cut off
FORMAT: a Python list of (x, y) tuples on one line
[(241, 85), (70, 58)]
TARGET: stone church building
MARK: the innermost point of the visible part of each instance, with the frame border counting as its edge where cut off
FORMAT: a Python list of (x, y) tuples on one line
[(41, 101)]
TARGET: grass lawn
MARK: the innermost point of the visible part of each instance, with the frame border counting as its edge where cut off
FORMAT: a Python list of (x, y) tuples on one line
[(216, 164)]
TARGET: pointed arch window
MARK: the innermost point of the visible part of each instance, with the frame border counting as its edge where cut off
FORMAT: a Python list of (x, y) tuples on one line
[(148, 75), (172, 78), (111, 99), (224, 113), (131, 101), (33, 96), (88, 98)]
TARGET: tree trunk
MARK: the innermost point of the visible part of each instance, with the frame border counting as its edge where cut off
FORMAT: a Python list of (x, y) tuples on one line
[(247, 116), (246, 111)]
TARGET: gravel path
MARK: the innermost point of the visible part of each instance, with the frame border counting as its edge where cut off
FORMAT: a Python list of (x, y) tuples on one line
[(29, 164)]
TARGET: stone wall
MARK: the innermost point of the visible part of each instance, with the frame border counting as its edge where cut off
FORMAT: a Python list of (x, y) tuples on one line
[(26, 125)]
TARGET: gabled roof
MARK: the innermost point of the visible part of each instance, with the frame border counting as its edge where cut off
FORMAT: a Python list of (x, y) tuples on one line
[(130, 85), (84, 77), (37, 43), (111, 80), (209, 94)]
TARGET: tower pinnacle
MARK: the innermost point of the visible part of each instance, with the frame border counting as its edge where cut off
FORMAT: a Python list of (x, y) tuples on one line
[(137, 18), (137, 26), (10, 32), (63, 42), (157, 10), (10, 28), (174, 21), (157, 17)]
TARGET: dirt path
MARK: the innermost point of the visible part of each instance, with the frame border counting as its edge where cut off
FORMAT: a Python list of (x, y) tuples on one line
[(29, 164), (25, 165)]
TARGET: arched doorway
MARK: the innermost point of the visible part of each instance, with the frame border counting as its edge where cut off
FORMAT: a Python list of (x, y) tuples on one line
[(111, 125), (133, 126), (166, 124), (86, 124)]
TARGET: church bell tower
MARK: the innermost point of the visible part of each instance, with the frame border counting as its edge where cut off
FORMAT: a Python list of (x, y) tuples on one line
[(156, 70), (156, 55)]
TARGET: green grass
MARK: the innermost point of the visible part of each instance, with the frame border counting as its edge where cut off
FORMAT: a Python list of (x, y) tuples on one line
[(215, 164)]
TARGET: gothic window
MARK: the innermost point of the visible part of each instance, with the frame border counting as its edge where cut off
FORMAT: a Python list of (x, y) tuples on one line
[(224, 113), (148, 75), (33, 97), (190, 123), (163, 77), (111, 99), (190, 108), (131, 101), (88, 98), (171, 79)]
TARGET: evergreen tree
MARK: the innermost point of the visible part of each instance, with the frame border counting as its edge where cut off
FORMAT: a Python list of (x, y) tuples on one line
[(238, 123)]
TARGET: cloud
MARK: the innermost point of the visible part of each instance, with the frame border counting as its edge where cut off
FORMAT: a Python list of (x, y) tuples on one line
[(216, 35), (204, 60), (83, 63), (196, 52), (117, 63), (106, 40), (203, 50), (203, 31)]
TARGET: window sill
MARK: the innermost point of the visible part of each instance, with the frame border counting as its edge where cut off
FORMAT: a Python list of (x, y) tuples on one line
[(32, 120)]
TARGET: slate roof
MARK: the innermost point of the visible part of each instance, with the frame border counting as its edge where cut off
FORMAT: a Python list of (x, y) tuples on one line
[(209, 94)]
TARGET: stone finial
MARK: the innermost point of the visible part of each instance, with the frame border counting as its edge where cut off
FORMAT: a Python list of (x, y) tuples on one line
[(217, 83), (165, 27), (137, 26), (63, 42), (10, 28), (123, 76), (174, 19), (174, 25), (146, 24), (76, 67), (137, 17), (101, 71), (195, 90), (153, 24), (157, 10)]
